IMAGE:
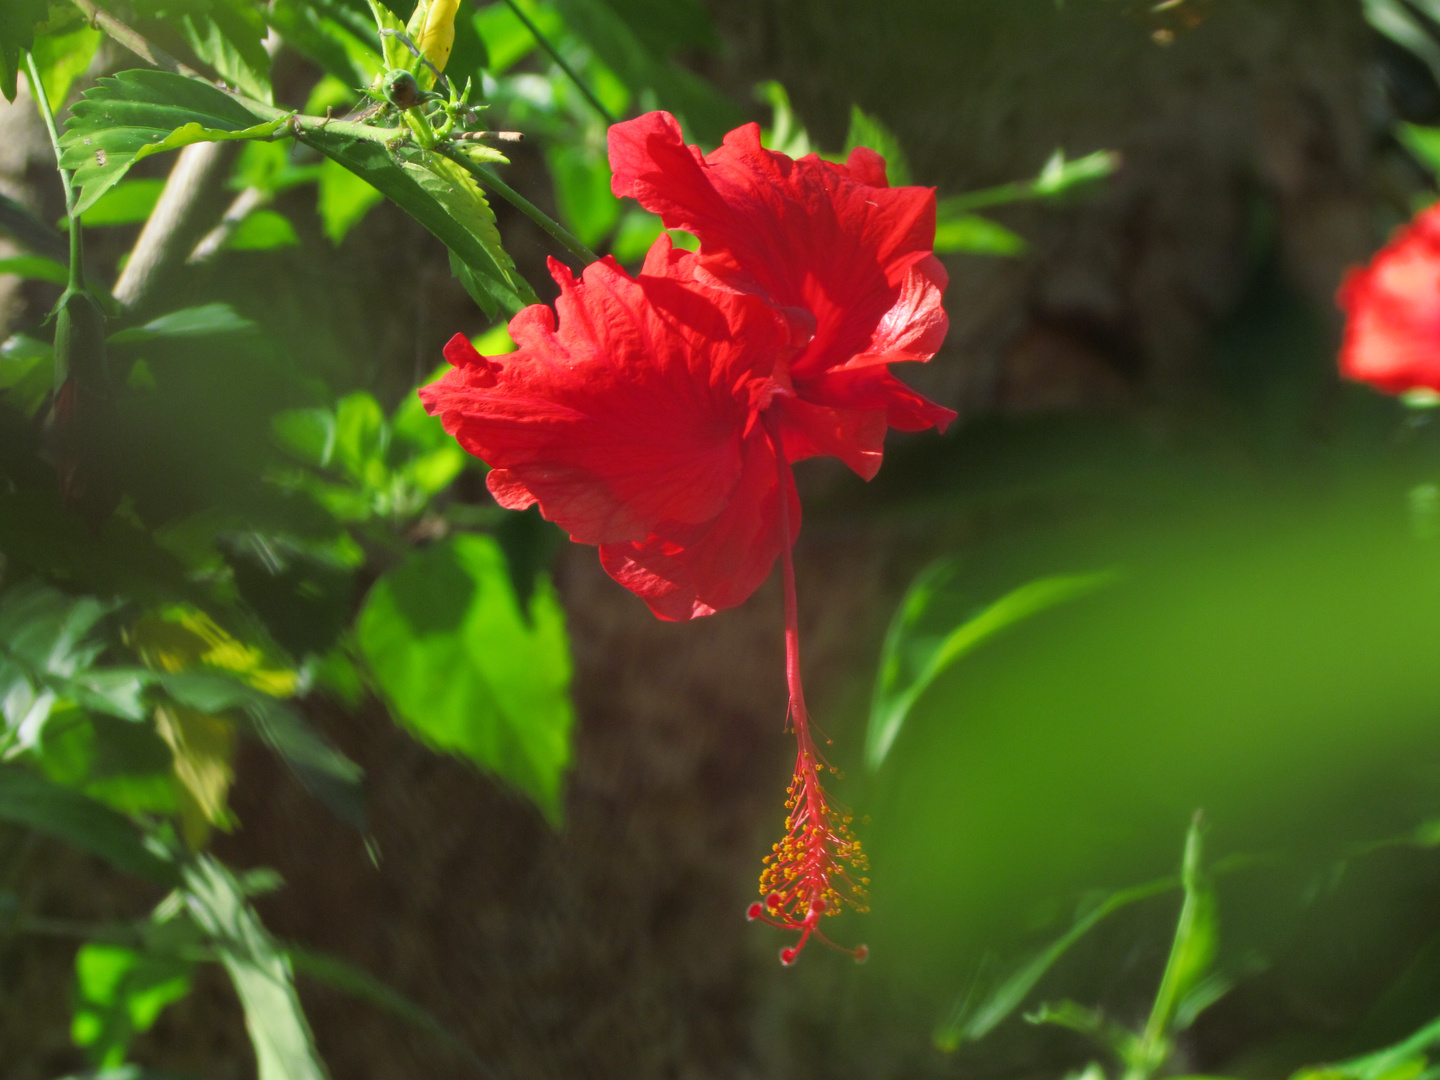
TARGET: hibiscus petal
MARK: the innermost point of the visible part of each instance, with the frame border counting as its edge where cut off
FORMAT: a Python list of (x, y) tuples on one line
[(811, 234), (630, 414), (1392, 335), (684, 573)]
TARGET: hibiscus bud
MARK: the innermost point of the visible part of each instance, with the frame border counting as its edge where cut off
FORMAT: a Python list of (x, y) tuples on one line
[(401, 89), (435, 35)]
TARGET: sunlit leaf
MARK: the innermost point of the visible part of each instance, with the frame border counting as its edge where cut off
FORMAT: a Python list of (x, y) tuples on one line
[(582, 190), (467, 670), (35, 268), (263, 230), (63, 55), (120, 993), (976, 235), (345, 199), (126, 203), (507, 40)]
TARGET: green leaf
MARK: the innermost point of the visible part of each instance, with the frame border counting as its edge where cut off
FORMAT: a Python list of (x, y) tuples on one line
[(127, 118), (31, 800), (308, 434), (62, 56), (207, 320), (44, 636), (1191, 955), (263, 230), (973, 1017), (493, 281), (582, 191), (229, 35), (35, 268), (313, 27), (345, 199), (467, 671), (434, 201), (899, 684), (361, 438), (18, 19), (1058, 177), (786, 134), (1406, 28), (120, 993), (26, 373), (976, 235), (259, 969), (868, 131), (507, 39), (126, 203), (624, 49)]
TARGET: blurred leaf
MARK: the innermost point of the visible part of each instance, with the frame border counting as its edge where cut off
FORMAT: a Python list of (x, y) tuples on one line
[(27, 369), (62, 56), (1423, 143), (345, 977), (31, 800), (229, 36), (362, 437), (970, 1020), (18, 19), (34, 268), (786, 134), (125, 119), (1191, 955), (1406, 28), (1091, 1023), (868, 131), (204, 746), (345, 199), (622, 45), (260, 971), (467, 671), (263, 230), (909, 663), (126, 203), (582, 191), (120, 993), (206, 320), (314, 28), (308, 434), (1057, 178), (128, 1072), (507, 40), (976, 235)]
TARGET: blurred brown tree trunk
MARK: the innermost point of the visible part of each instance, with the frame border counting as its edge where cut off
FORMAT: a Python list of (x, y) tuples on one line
[(617, 948)]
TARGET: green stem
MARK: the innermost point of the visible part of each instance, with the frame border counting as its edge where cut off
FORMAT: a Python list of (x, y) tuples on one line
[(488, 179), (77, 251), (545, 44)]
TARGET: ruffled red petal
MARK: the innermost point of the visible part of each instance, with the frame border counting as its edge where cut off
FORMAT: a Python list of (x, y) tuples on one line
[(830, 239), (684, 573), (1392, 334), (631, 414)]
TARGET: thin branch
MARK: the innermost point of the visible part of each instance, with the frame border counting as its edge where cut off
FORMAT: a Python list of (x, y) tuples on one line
[(77, 250), (488, 179), (250, 199), (545, 44)]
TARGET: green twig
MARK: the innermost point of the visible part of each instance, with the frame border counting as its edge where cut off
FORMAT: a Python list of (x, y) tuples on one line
[(488, 179), (546, 44)]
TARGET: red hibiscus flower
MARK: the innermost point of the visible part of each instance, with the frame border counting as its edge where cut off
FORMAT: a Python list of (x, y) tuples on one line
[(659, 418), (1392, 307)]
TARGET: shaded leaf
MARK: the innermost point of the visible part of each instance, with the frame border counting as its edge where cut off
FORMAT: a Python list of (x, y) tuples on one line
[(203, 321), (229, 36), (467, 670), (31, 800), (18, 19)]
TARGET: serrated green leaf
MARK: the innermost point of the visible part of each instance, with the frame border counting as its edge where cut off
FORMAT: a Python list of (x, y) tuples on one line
[(127, 118), (467, 670), (229, 35), (258, 968), (31, 800)]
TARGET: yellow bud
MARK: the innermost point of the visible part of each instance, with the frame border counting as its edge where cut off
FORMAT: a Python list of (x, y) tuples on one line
[(437, 34)]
